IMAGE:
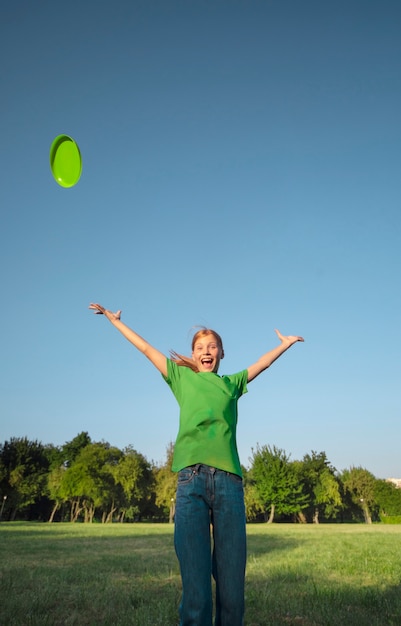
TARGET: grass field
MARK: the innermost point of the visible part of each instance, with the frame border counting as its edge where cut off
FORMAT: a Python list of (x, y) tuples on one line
[(78, 575)]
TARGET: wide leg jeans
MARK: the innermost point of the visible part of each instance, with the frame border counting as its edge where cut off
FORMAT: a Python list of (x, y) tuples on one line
[(210, 498)]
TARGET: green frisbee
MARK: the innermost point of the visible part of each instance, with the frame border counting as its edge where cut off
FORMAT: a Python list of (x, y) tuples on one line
[(65, 161)]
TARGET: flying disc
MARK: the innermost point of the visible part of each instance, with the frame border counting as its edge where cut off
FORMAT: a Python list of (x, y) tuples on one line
[(65, 161)]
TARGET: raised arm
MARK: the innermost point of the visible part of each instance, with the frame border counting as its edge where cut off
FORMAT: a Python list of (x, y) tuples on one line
[(267, 359), (158, 359)]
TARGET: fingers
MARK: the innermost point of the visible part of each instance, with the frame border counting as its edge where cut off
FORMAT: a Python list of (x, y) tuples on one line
[(291, 338), (97, 308), (279, 335), (295, 339)]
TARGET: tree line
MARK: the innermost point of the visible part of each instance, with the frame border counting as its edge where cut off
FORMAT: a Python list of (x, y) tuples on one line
[(89, 481)]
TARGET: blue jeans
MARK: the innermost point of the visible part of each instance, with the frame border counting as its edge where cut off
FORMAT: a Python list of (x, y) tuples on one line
[(207, 497)]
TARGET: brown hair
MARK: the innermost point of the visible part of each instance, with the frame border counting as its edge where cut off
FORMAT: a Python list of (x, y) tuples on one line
[(186, 361)]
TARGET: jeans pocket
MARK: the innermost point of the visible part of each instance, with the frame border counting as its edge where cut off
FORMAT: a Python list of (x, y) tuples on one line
[(185, 476)]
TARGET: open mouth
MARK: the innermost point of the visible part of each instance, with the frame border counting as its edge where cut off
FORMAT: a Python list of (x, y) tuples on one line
[(207, 362)]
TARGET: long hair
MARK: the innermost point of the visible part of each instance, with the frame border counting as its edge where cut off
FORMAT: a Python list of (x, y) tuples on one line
[(186, 361)]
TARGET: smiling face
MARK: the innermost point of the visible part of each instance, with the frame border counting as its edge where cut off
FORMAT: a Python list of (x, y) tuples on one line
[(207, 351)]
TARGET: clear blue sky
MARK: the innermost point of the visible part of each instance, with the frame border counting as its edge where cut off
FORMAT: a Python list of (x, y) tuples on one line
[(241, 170)]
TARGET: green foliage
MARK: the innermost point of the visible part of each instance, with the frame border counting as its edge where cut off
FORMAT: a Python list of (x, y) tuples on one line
[(71, 449), (105, 479), (134, 475), (361, 485), (276, 482), (24, 468), (391, 519), (87, 481), (54, 488), (253, 505), (93, 469), (388, 499), (320, 486), (166, 484)]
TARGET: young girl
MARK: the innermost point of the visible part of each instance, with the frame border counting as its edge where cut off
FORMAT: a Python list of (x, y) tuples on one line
[(210, 491)]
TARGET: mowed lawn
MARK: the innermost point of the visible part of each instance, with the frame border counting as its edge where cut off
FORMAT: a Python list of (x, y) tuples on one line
[(122, 574)]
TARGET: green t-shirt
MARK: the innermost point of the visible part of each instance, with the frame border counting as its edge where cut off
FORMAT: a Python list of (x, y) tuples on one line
[(208, 417)]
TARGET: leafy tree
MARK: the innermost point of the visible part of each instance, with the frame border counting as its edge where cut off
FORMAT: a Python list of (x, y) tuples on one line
[(253, 505), (133, 473), (89, 482), (166, 484), (54, 454), (388, 498), (60, 460), (276, 482), (71, 449), (361, 485), (4, 484), (24, 466), (70, 489), (320, 485), (54, 488)]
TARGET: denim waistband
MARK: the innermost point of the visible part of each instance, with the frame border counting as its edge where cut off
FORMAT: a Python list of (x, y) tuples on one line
[(201, 467)]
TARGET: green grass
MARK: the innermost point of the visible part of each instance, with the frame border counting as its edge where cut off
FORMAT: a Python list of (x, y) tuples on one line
[(77, 575)]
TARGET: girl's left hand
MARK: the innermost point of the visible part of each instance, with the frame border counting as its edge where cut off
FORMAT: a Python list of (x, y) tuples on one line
[(289, 339)]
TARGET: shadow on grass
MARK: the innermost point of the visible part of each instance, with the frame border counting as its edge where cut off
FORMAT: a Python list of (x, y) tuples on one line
[(263, 543), (286, 587), (90, 587), (298, 600)]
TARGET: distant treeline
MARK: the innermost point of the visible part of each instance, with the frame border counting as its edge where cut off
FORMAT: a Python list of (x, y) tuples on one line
[(87, 481)]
